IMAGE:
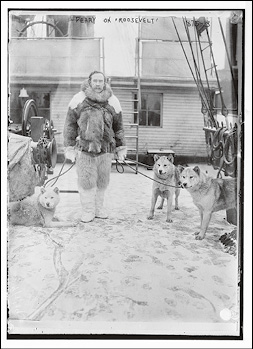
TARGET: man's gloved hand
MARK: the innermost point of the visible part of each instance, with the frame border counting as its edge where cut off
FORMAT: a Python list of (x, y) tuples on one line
[(121, 153), (70, 153)]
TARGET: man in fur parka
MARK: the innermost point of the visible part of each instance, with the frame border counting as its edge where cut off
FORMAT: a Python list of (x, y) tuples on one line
[(93, 132)]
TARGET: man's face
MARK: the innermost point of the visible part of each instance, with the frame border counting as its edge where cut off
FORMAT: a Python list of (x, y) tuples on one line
[(97, 82)]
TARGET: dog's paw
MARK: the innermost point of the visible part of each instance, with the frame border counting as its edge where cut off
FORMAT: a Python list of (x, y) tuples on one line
[(199, 237), (169, 220), (159, 207), (150, 217), (176, 208)]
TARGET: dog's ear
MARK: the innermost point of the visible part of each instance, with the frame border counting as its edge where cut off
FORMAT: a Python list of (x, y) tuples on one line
[(170, 157), (156, 157), (180, 168), (197, 170), (56, 190), (42, 190)]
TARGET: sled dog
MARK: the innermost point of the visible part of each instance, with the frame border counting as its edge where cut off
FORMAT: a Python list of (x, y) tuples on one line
[(37, 210), (168, 176), (208, 194)]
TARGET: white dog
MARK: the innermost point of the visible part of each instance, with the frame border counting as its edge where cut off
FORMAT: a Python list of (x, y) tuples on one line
[(37, 210)]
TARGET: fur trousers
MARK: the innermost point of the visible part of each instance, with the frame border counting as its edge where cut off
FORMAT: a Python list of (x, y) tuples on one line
[(93, 171)]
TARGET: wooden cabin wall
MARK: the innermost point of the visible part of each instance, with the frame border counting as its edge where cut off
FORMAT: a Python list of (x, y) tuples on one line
[(182, 120), (60, 99), (182, 123)]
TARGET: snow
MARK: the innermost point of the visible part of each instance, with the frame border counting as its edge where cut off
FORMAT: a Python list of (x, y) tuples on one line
[(124, 270)]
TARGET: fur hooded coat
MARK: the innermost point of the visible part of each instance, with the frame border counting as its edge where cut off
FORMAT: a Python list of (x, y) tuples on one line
[(94, 121)]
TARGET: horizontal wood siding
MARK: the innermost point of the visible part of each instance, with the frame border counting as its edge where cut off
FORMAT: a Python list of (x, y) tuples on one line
[(182, 121), (59, 107), (182, 125), (126, 101)]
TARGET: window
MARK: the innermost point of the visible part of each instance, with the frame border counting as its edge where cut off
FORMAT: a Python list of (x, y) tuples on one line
[(150, 113)]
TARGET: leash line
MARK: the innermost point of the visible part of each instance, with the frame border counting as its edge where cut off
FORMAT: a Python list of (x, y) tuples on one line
[(117, 163), (60, 174), (167, 185), (136, 162), (139, 163)]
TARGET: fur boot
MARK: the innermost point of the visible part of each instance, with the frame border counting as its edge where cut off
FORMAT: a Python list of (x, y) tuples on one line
[(100, 211), (87, 197)]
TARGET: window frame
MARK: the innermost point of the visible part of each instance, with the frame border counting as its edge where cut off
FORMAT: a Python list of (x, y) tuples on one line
[(148, 92)]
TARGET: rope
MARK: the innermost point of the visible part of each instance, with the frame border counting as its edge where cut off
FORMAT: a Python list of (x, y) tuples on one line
[(224, 110), (225, 146), (152, 179), (122, 168), (197, 36), (194, 78), (139, 163), (136, 162), (60, 174), (218, 144), (228, 57), (198, 76), (230, 144), (117, 163)]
